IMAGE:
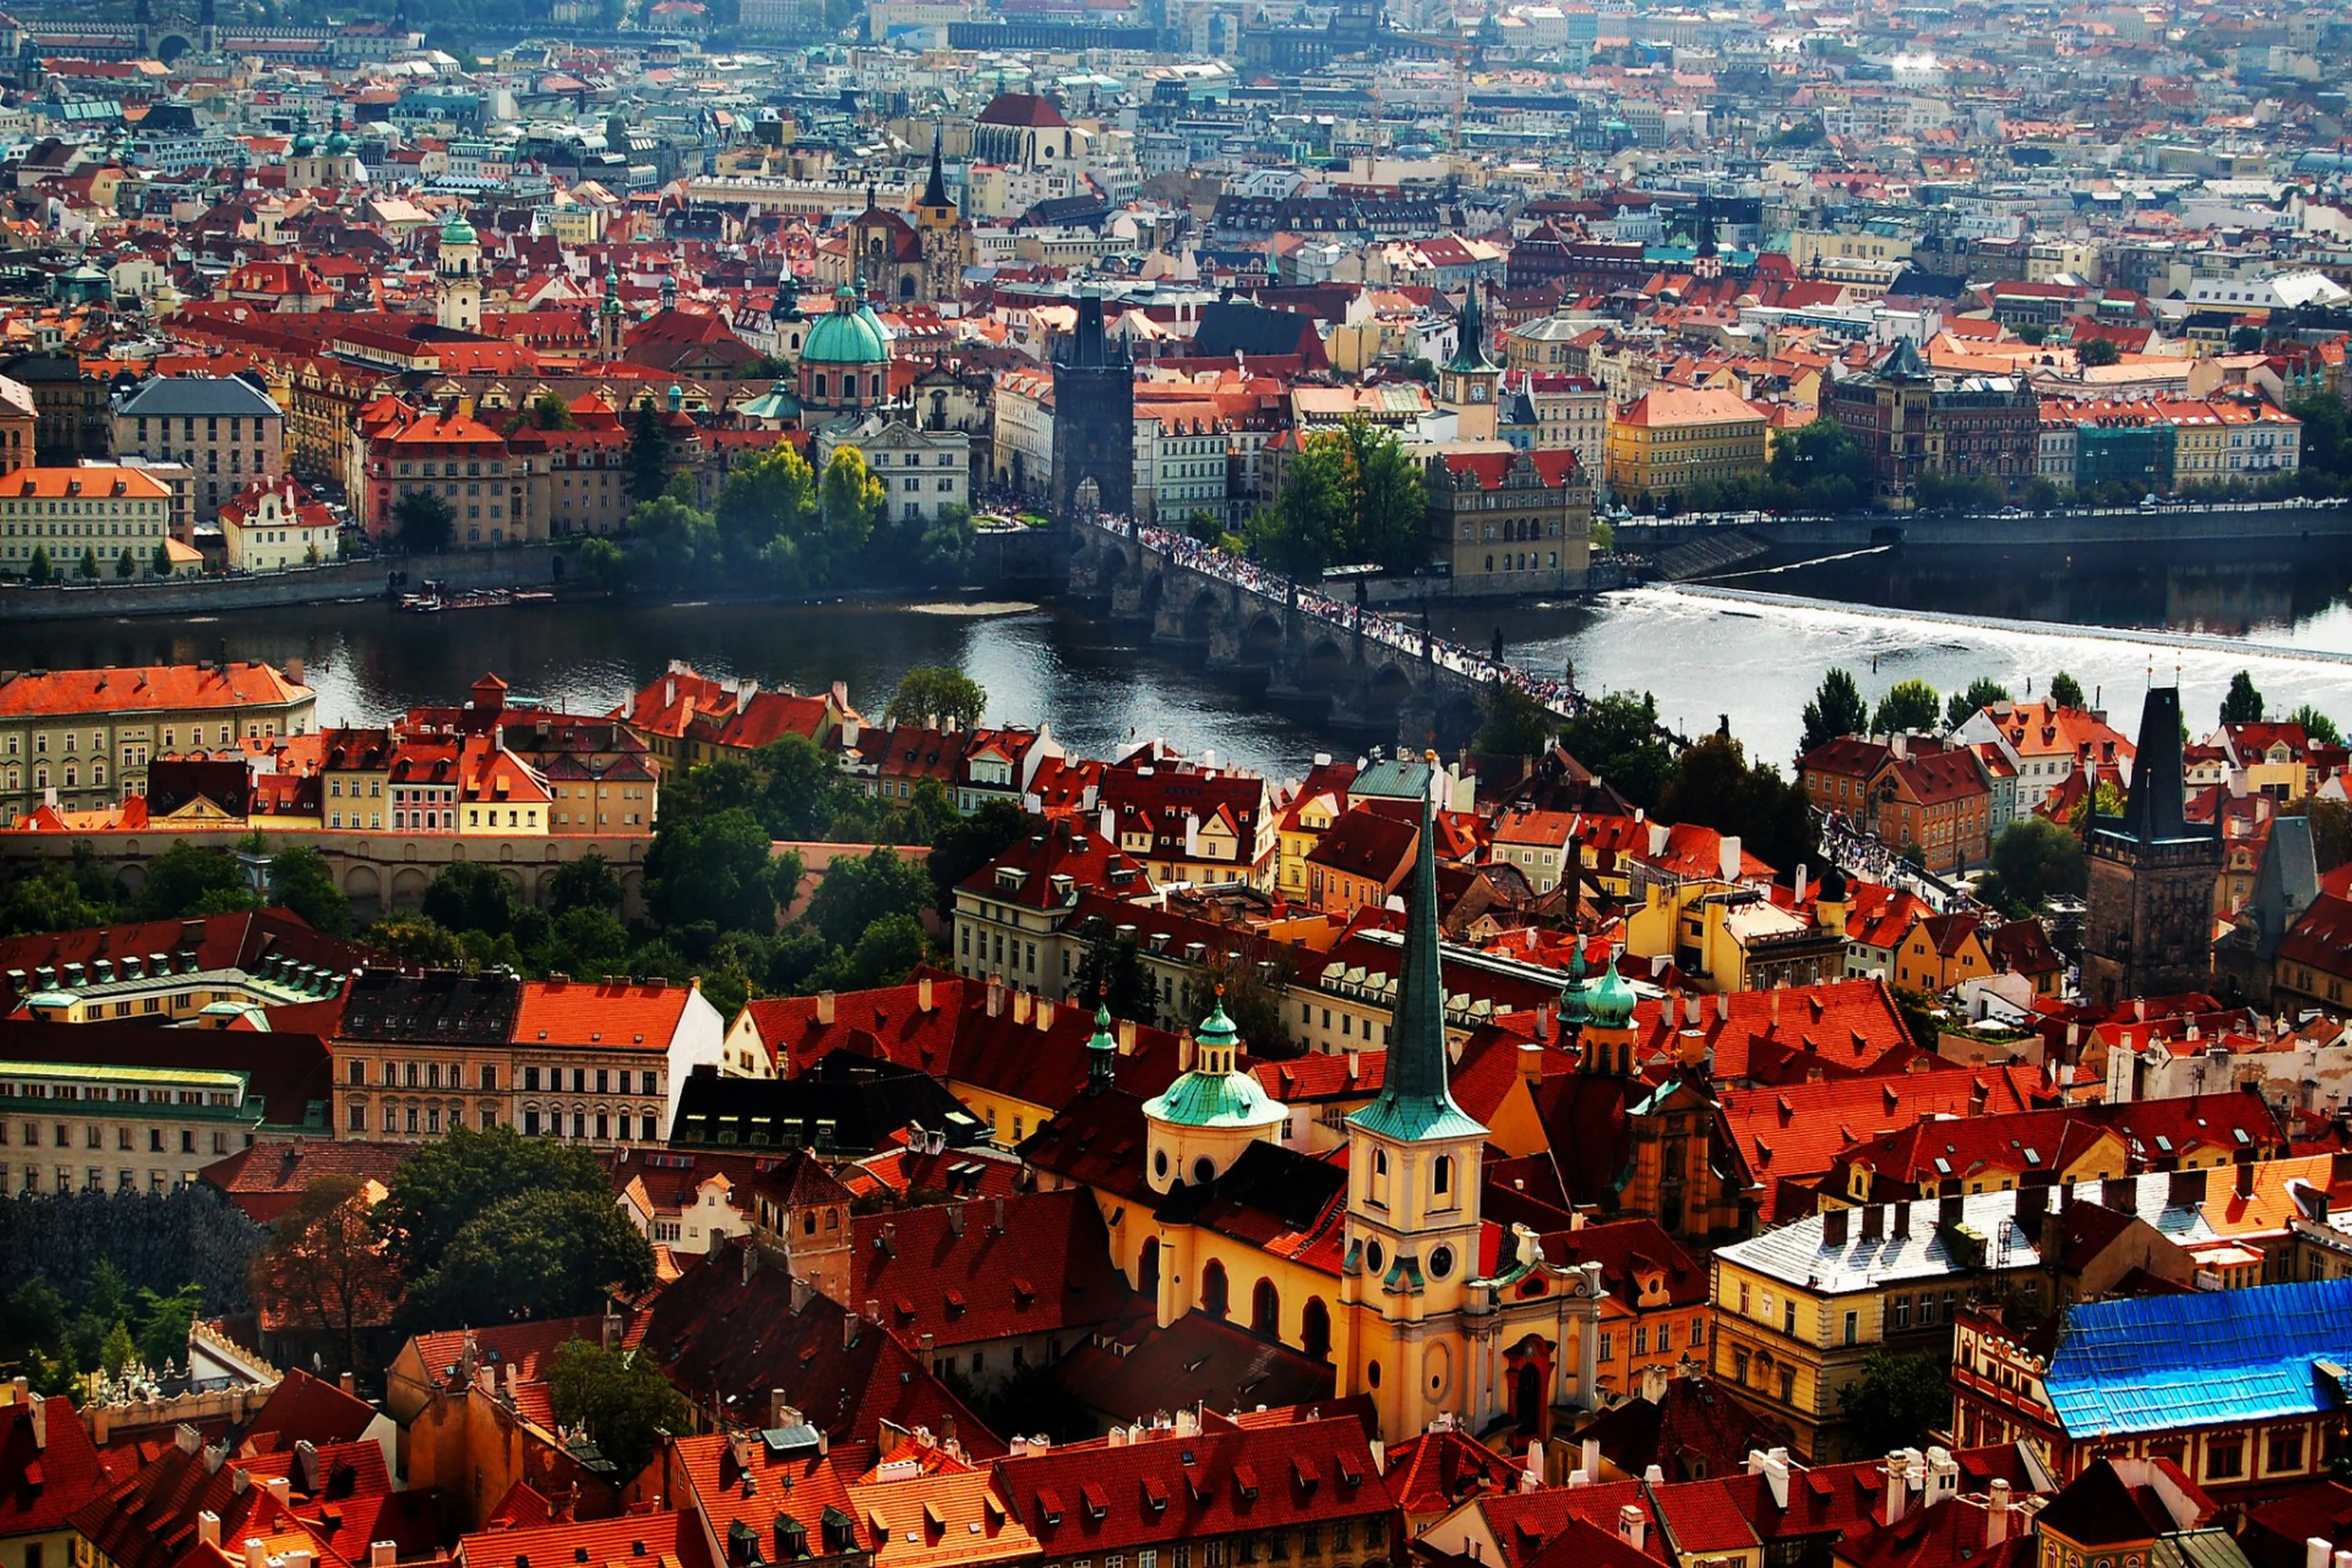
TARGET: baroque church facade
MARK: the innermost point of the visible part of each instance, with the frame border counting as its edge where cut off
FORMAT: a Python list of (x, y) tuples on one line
[(1373, 1256)]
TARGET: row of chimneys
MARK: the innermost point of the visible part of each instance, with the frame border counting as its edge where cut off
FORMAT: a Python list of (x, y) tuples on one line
[(2032, 1202)]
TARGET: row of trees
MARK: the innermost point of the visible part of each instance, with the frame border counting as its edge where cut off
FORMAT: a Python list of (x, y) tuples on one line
[(777, 525), (41, 569)]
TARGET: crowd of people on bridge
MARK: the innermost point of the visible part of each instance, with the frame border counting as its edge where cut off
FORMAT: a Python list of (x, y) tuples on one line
[(1558, 694)]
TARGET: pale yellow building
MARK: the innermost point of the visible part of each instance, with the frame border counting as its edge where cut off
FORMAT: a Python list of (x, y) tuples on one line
[(1672, 438)]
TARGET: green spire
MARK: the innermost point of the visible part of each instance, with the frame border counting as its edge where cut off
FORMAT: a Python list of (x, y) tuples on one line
[(1102, 1052), (1612, 1000), (1471, 353), (1573, 1008), (1414, 1102)]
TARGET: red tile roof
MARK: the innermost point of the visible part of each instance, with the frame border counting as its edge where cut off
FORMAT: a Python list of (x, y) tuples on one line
[(1038, 1263), (634, 1541), (48, 1467), (622, 1015)]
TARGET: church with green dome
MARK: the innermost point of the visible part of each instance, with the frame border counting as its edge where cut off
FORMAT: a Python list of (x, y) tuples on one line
[(845, 366)]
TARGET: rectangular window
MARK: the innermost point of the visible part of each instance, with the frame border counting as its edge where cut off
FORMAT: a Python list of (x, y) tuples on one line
[(2225, 1459)]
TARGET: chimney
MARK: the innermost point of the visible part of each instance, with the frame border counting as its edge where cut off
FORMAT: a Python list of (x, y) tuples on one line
[(2318, 1552), (1997, 1513), (955, 1219), (1901, 1209), (1045, 1015), (349, 1384), (1897, 1492), (824, 1008), (1632, 1525), (207, 1528), (2242, 1185), (256, 1554), (1021, 1004), (2183, 1189), (612, 1327), (39, 1412), (996, 1224), (923, 994), (1589, 1457), (1530, 1061), (1835, 1226), (2120, 1193), (381, 1554), (996, 995), (1728, 846), (281, 1490), (1874, 1222)]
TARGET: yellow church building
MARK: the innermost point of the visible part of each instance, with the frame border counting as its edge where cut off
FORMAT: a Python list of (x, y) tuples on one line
[(1372, 1256)]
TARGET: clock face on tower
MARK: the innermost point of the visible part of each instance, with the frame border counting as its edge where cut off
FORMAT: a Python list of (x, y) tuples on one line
[(1478, 392)]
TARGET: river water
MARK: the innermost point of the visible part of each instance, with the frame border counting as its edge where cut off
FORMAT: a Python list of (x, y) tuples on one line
[(1755, 658)]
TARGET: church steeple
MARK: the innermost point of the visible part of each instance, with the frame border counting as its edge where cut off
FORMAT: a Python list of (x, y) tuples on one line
[(1415, 1104), (1469, 381), (935, 189)]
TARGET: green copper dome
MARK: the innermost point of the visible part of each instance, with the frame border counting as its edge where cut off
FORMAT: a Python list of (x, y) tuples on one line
[(1217, 1092), (1612, 1000), (851, 335), (457, 231), (338, 143), (1214, 1100), (1103, 1041)]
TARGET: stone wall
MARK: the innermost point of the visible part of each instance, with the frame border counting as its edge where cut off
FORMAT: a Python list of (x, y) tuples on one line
[(518, 566)]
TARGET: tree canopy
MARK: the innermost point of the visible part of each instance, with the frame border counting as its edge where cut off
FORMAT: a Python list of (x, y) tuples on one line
[(1908, 706), (1619, 737), (2065, 691), (621, 1400), (1716, 786), (2033, 860), (941, 692), (1835, 711), (1982, 693), (2244, 705), (1351, 494)]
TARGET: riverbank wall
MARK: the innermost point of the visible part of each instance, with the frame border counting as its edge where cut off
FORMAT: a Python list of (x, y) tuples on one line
[(515, 566), (2145, 527)]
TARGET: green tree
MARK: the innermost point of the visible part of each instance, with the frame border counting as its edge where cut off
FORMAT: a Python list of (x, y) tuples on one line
[(1111, 972), (850, 501), (1252, 999), (803, 793), (1908, 705), (962, 846), (1716, 786), (2033, 860), (587, 883), (2316, 726), (620, 1398), (71, 894), (1385, 504), (119, 1351), (768, 496), (322, 1267), (647, 461), (2065, 691), (88, 570), (1305, 531), (1963, 706), (1516, 725), (533, 1254), (164, 1322), (784, 873), (423, 522), (415, 938), (727, 784), (188, 879), (2331, 832), (604, 564), (1897, 1402), (1619, 737), (1836, 710), (38, 569), (674, 544), (2326, 434), (884, 953), (2244, 705), (711, 868), (949, 550), (161, 565), (2096, 353), (300, 879), (1823, 467), (550, 412), (441, 1188), (126, 565), (584, 940), (467, 895), (859, 892), (937, 692)]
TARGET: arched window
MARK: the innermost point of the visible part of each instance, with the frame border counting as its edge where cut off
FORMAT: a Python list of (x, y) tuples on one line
[(1212, 1289), (1266, 1310), (816, 385), (1441, 1180), (1315, 1330), (1147, 1267)]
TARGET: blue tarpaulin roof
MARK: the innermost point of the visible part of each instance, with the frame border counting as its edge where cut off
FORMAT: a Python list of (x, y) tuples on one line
[(2158, 1363)]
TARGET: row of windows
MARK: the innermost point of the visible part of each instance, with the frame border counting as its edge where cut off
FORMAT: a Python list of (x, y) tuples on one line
[(98, 738), (125, 1137), (94, 1181)]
